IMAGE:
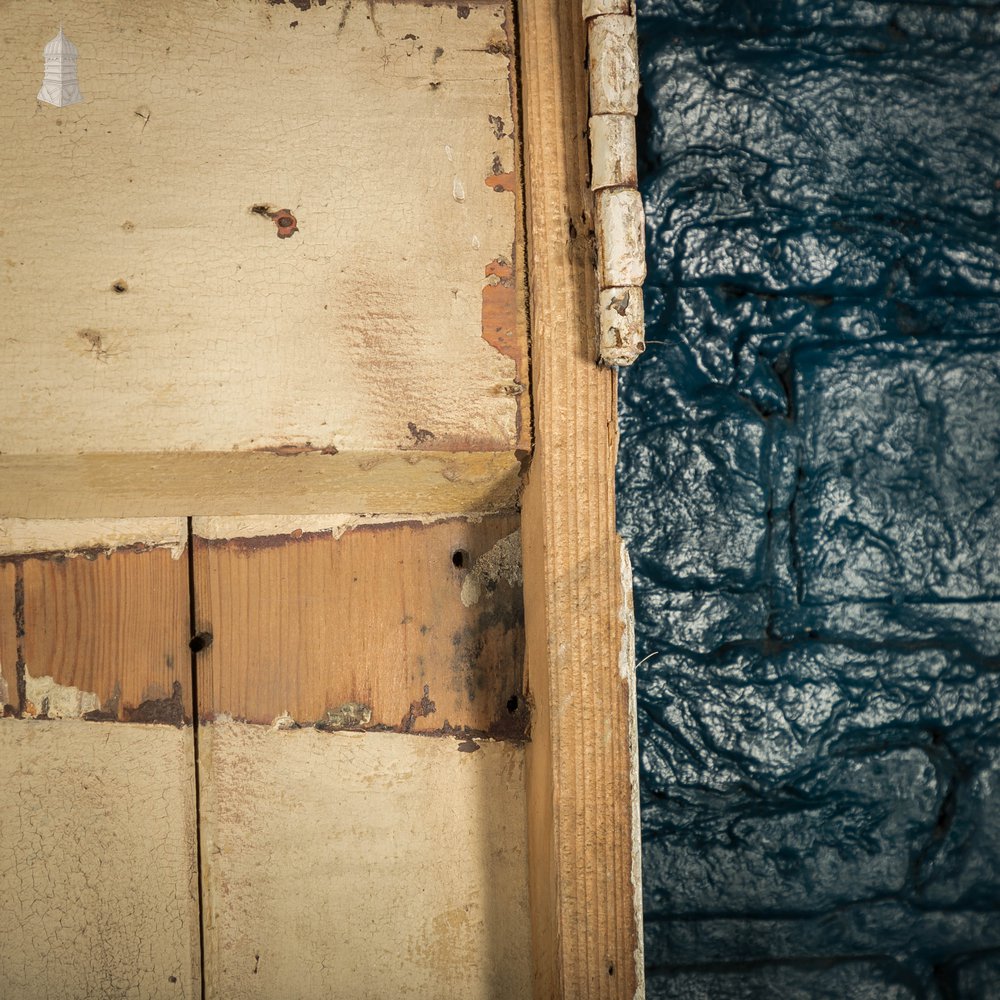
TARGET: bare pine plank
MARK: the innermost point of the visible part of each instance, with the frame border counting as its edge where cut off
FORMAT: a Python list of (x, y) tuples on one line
[(170, 346), (583, 830), (93, 629), (419, 626)]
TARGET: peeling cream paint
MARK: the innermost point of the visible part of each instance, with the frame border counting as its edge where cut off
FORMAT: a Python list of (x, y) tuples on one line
[(27, 536), (626, 669), (501, 562), (3, 688), (626, 615), (622, 325), (226, 528), (350, 715), (594, 8), (613, 152), (98, 869), (58, 701)]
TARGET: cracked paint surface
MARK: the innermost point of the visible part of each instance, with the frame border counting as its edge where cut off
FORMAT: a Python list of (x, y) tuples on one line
[(97, 862), (808, 482)]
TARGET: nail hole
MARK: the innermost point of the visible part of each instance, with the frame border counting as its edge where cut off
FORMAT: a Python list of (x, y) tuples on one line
[(200, 641), (120, 286), (611, 970), (512, 703), (459, 558)]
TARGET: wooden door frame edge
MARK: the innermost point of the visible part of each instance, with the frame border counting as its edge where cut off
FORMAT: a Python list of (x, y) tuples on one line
[(582, 772)]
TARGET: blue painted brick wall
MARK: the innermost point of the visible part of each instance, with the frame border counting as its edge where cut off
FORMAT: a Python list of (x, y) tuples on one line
[(810, 487)]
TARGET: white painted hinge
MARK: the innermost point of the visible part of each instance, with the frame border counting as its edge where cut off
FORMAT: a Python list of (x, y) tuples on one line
[(620, 221)]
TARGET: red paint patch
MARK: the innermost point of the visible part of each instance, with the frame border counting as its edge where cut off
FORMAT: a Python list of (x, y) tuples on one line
[(501, 182), (282, 218), (500, 331)]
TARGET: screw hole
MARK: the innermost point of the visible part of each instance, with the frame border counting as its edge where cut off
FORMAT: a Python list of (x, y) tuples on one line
[(200, 641), (512, 703), (459, 558)]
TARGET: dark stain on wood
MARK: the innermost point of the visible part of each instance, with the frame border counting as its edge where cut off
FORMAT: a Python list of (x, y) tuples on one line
[(513, 722), (109, 711), (292, 450), (20, 666), (95, 342), (419, 709), (159, 711), (91, 553), (419, 434), (302, 5)]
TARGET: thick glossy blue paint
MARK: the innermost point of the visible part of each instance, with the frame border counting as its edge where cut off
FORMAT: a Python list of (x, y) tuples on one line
[(810, 486)]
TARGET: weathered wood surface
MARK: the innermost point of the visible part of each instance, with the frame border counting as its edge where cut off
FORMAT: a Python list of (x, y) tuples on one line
[(98, 874), (418, 627), (93, 621), (583, 830), (165, 350), (214, 483), (362, 866)]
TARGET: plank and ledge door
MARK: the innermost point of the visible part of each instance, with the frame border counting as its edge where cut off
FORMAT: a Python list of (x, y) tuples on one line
[(263, 735)]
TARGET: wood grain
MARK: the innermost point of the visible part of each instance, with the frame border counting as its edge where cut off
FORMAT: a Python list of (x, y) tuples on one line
[(231, 483), (582, 830), (109, 625), (362, 866), (98, 873), (149, 276), (394, 617)]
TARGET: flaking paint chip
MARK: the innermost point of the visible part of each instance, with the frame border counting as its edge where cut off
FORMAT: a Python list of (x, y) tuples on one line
[(60, 86)]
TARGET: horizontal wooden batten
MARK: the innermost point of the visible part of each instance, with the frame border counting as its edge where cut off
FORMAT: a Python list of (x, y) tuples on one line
[(292, 480)]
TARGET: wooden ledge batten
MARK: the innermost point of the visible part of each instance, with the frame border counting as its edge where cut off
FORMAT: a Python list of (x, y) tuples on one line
[(586, 926)]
